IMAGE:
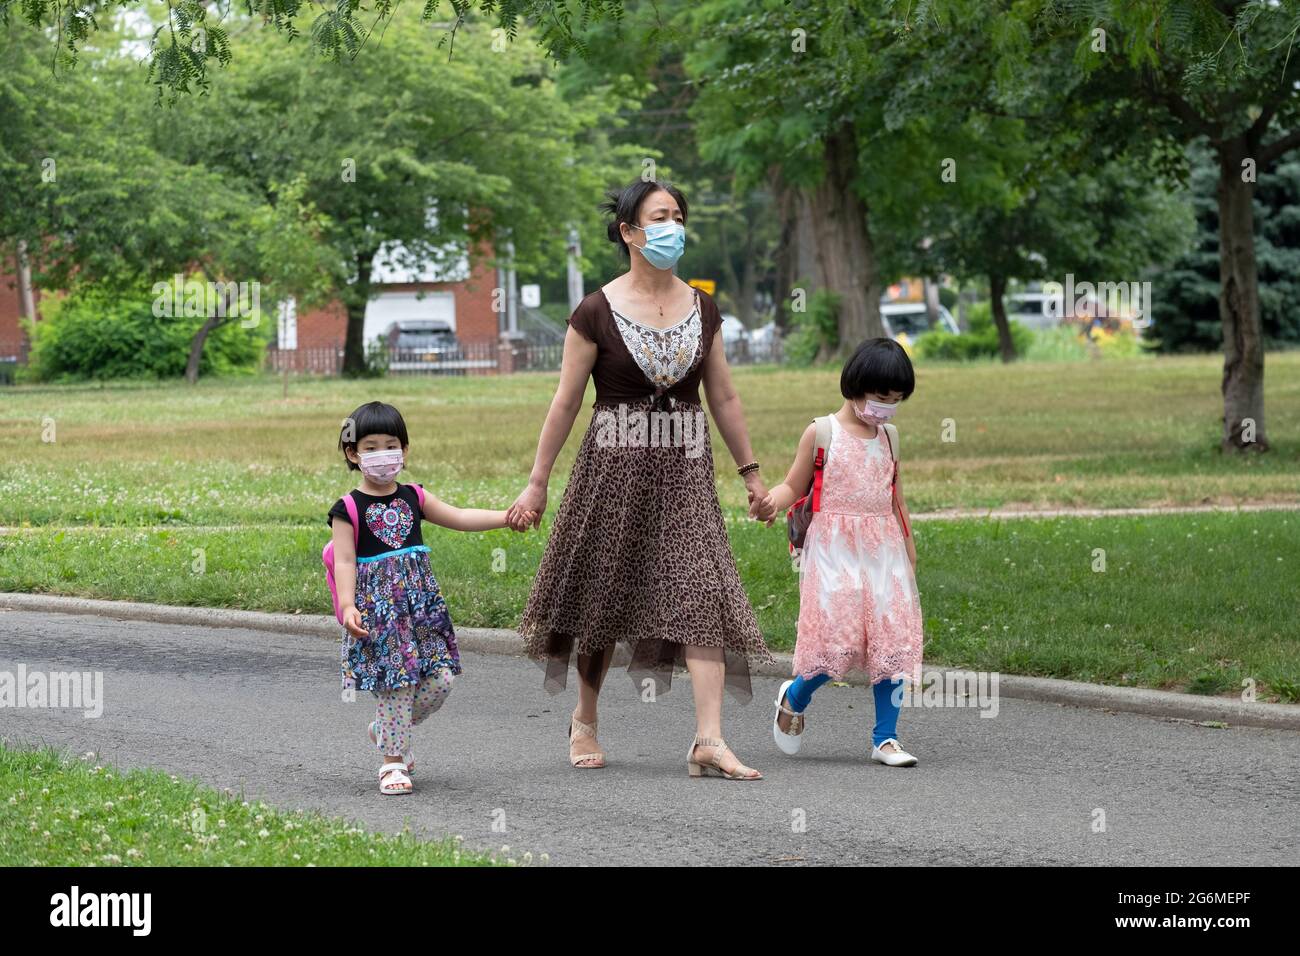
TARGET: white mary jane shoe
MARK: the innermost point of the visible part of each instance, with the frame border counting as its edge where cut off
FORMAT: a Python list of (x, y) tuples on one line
[(899, 758), (788, 742)]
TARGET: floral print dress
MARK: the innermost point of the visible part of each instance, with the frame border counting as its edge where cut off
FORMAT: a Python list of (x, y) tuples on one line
[(410, 631), (858, 604)]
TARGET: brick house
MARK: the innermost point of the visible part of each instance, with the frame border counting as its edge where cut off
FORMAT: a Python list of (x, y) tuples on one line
[(458, 295), (13, 343)]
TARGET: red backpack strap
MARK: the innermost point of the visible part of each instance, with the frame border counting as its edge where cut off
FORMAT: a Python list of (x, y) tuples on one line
[(419, 493), (821, 449), (350, 503)]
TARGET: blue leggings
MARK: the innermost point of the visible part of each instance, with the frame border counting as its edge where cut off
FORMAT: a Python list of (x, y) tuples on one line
[(799, 695)]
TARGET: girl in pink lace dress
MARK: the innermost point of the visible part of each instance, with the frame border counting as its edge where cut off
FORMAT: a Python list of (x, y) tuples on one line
[(858, 604)]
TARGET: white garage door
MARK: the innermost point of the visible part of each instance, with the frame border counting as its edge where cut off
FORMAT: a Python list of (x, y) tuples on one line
[(390, 307)]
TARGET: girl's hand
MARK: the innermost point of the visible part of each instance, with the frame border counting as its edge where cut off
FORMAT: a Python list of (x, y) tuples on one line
[(352, 621), (522, 520), (768, 508), (531, 502)]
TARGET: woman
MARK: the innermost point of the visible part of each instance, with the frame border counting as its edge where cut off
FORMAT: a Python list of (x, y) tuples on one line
[(638, 554)]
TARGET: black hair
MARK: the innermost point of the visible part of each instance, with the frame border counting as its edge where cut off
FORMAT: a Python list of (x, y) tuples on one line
[(879, 365), (625, 206), (372, 418)]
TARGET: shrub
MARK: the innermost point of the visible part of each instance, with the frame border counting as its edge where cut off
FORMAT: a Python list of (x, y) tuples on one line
[(981, 341), (1060, 344), (101, 333)]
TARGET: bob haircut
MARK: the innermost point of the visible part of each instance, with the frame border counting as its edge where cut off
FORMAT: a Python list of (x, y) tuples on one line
[(625, 206), (879, 365), (372, 418)]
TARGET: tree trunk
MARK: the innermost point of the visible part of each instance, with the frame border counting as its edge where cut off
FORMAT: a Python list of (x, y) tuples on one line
[(844, 250), (1006, 345), (1243, 347), (785, 256), (730, 282), (748, 284), (354, 344), (201, 336)]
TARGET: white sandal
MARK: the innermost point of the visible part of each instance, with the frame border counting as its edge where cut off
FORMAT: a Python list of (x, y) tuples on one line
[(899, 758), (788, 742), (408, 758), (393, 780)]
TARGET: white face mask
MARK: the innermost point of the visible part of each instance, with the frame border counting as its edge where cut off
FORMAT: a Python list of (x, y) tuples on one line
[(381, 467)]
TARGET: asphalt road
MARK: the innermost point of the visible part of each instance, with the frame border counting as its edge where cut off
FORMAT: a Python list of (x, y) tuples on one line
[(261, 713)]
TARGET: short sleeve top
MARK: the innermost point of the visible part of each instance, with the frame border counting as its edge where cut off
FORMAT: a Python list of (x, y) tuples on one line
[(388, 523), (618, 376)]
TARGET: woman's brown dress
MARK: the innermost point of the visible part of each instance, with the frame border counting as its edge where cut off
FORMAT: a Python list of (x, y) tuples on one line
[(638, 557)]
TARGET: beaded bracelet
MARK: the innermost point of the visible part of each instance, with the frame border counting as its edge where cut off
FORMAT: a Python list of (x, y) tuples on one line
[(746, 469)]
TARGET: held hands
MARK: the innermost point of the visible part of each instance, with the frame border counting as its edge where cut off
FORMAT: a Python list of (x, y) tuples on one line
[(761, 507), (528, 508), (352, 621), (521, 520)]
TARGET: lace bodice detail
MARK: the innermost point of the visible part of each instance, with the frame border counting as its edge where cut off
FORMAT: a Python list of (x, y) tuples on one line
[(666, 356), (859, 474)]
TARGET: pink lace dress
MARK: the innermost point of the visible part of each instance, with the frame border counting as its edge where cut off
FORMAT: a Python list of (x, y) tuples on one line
[(858, 604)]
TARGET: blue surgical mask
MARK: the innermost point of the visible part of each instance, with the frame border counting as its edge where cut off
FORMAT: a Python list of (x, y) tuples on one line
[(664, 243)]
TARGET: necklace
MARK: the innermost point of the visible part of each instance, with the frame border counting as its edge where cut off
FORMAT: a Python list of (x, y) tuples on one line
[(657, 303)]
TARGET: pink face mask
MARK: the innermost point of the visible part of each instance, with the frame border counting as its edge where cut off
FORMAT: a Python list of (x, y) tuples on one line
[(876, 413), (382, 467)]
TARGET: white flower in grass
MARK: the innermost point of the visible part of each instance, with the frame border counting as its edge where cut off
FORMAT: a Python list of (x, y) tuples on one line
[(133, 853), (263, 833)]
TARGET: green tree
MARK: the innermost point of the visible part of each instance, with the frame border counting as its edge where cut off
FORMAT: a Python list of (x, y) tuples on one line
[(409, 161), (1184, 71), (1187, 293)]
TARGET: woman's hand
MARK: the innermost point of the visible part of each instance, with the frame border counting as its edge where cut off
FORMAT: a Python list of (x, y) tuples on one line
[(352, 621), (528, 507), (759, 504)]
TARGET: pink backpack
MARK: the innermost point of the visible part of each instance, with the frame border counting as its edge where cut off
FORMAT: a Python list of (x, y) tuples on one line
[(327, 553)]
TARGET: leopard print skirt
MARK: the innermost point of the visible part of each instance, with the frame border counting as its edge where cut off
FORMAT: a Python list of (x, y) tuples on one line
[(638, 565)]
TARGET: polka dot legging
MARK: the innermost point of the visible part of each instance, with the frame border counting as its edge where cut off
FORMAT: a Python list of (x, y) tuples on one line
[(401, 709)]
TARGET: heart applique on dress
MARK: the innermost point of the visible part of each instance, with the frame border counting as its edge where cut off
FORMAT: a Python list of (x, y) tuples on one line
[(391, 522)]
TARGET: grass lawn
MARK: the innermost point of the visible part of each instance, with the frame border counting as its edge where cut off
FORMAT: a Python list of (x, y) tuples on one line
[(216, 495), (62, 811), (1106, 434)]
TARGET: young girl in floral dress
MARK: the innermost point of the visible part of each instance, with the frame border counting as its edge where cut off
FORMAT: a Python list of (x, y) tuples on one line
[(398, 641), (858, 604)]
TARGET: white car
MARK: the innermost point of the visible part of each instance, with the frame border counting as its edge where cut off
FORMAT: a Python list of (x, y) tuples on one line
[(733, 330), (912, 319)]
